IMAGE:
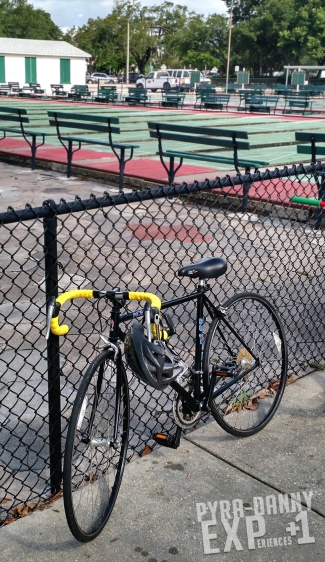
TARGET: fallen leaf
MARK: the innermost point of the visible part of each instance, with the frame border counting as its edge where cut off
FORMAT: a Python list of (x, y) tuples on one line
[(251, 404)]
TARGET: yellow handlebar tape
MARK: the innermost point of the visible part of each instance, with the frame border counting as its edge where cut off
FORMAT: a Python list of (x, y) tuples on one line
[(149, 297), (69, 295)]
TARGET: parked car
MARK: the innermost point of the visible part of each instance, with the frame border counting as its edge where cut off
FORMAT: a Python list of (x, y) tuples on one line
[(157, 81), (96, 76), (133, 77)]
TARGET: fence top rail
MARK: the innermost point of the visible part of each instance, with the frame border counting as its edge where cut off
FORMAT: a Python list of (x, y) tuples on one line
[(51, 209)]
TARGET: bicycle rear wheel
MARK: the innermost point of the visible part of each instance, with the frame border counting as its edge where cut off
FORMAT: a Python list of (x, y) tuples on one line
[(94, 460), (246, 407)]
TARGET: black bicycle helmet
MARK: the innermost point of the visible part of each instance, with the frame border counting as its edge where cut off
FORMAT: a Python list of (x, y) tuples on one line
[(152, 362)]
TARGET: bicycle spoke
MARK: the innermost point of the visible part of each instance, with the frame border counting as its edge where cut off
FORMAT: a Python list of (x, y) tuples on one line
[(250, 403)]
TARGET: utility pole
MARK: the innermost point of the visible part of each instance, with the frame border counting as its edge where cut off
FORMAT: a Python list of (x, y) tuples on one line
[(229, 45), (127, 54)]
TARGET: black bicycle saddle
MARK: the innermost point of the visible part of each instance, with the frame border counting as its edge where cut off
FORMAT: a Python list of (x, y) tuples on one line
[(206, 268)]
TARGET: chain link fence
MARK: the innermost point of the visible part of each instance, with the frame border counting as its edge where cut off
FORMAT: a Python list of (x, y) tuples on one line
[(138, 241)]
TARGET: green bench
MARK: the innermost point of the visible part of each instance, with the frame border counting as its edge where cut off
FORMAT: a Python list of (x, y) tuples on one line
[(216, 101), (259, 89), (19, 116), (315, 152), (232, 88), (5, 90), (204, 90), (313, 90), (262, 104), (298, 103), (311, 149), (213, 138), (79, 92), (171, 99), (282, 89), (92, 124), (106, 94), (137, 96), (58, 91), (245, 96)]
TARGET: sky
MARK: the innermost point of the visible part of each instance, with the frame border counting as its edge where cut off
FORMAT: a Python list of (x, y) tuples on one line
[(67, 13)]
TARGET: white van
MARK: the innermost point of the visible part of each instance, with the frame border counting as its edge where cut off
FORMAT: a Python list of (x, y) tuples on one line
[(183, 76)]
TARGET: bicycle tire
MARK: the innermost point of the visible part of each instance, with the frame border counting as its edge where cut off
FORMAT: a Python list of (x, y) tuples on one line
[(249, 405), (92, 474)]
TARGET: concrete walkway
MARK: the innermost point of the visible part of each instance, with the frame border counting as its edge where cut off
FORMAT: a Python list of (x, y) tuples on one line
[(214, 498)]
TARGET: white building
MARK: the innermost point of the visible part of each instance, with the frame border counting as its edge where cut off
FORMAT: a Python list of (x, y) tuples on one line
[(43, 62)]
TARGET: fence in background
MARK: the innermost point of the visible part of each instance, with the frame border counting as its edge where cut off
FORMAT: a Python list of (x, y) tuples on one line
[(139, 240)]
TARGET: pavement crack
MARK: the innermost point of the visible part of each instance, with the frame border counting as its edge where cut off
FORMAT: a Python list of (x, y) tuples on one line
[(254, 477)]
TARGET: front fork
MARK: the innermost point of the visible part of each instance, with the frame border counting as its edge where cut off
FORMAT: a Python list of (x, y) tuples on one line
[(114, 440)]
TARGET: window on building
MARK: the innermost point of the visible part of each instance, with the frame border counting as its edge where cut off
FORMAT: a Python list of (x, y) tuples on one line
[(2, 70), (30, 70), (65, 71)]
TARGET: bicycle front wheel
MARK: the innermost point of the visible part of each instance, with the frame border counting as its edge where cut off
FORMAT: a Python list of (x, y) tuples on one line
[(249, 404), (96, 447)]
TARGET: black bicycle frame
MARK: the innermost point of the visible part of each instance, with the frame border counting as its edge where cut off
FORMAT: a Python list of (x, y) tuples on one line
[(197, 401)]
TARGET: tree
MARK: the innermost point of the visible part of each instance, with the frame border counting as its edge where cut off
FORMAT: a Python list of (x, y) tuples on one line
[(21, 20), (203, 41), (269, 34)]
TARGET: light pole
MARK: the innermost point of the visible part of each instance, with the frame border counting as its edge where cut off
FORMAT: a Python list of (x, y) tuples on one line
[(127, 53), (229, 45)]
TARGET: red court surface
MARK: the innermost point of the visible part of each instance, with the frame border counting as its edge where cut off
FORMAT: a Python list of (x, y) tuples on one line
[(185, 233), (273, 191), (8, 143), (150, 170), (59, 155)]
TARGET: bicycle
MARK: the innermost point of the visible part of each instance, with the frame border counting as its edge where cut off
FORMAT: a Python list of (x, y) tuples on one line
[(239, 374)]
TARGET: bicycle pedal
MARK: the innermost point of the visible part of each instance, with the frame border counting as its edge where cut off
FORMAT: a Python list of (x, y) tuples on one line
[(171, 441)]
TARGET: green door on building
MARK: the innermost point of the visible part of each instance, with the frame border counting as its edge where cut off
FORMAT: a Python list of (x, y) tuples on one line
[(30, 70), (65, 71), (2, 70)]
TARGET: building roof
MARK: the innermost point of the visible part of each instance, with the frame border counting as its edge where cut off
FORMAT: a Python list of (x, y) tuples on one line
[(11, 46)]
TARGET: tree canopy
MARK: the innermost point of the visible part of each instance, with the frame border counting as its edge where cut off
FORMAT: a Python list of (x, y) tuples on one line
[(21, 20), (267, 34)]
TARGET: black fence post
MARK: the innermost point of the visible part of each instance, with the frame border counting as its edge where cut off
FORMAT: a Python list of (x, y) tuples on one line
[(53, 353)]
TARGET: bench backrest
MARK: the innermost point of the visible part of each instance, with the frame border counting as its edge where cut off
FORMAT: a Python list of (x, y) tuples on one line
[(311, 149), (301, 94), (217, 97), (179, 95), (264, 99), (137, 92), (198, 135), (79, 88), (88, 122), (13, 114)]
